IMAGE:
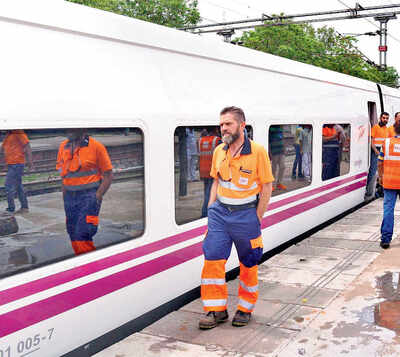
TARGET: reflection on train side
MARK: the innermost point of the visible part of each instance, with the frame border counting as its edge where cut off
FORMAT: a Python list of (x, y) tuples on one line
[(290, 153), (68, 191), (335, 150), (194, 147)]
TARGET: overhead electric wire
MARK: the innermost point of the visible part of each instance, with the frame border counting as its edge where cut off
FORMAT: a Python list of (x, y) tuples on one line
[(371, 22)]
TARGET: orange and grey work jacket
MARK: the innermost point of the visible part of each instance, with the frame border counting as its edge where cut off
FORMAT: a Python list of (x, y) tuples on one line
[(207, 146), (81, 167), (390, 155)]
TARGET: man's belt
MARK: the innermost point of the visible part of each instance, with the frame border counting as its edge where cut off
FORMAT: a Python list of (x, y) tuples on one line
[(239, 207)]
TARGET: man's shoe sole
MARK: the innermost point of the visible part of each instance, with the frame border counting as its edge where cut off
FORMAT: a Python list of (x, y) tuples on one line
[(239, 324)]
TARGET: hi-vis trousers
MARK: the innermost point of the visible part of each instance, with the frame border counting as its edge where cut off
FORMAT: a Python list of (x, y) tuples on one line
[(225, 227), (82, 218)]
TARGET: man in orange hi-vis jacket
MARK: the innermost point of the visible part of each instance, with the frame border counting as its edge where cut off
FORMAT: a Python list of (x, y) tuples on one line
[(389, 177), (238, 200), (86, 172)]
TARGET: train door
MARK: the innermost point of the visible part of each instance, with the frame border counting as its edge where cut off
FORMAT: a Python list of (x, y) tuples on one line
[(373, 119)]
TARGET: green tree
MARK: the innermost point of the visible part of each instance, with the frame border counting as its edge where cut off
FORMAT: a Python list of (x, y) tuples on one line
[(172, 13), (322, 47)]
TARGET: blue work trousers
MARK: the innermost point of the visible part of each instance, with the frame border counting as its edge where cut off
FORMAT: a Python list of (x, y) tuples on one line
[(389, 201), (371, 175), (207, 189), (80, 209), (298, 161), (13, 185), (330, 157), (240, 227)]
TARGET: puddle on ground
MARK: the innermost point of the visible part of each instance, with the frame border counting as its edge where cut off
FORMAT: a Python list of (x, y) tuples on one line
[(387, 313)]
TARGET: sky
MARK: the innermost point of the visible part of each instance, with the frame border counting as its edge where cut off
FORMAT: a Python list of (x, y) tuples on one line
[(230, 10)]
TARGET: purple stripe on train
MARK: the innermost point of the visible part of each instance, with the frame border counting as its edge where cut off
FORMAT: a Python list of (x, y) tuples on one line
[(26, 316)]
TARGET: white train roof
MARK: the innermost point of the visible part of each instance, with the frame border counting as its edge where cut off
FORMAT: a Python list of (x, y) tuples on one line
[(60, 14)]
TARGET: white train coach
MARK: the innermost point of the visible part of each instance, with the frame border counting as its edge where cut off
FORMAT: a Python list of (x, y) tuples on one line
[(143, 90)]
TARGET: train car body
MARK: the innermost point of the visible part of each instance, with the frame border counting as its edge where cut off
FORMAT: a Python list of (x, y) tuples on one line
[(67, 66)]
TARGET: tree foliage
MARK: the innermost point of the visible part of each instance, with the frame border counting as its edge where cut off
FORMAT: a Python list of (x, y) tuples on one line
[(172, 13), (322, 47)]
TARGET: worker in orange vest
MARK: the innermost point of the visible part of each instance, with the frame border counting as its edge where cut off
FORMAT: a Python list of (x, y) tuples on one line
[(389, 177), (391, 128), (379, 133), (238, 200), (86, 172), (207, 145), (330, 152), (15, 147)]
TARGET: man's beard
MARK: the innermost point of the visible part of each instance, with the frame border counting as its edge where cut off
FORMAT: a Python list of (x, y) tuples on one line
[(231, 138)]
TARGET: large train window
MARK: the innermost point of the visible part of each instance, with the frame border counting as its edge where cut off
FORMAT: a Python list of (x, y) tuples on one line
[(290, 153), (65, 192), (335, 150), (194, 147)]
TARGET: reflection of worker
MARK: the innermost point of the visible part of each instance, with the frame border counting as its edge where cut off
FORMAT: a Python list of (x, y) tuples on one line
[(306, 151), (86, 172), (191, 149), (277, 154), (238, 199), (298, 161), (379, 133), (341, 136), (207, 143), (15, 146), (389, 178), (330, 152)]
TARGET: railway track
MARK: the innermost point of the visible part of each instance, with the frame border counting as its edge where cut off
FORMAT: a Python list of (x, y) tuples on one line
[(53, 183)]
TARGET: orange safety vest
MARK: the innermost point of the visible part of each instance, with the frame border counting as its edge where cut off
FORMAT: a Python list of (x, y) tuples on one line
[(207, 146), (78, 169), (379, 134), (391, 163)]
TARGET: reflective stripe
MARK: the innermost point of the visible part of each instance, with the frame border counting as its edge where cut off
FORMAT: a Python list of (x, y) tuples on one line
[(250, 289), (246, 304), (205, 153), (81, 173), (214, 302), (387, 156), (231, 186), (330, 146), (82, 187), (236, 201), (213, 282)]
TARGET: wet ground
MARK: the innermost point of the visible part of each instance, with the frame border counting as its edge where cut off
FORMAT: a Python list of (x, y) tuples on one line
[(335, 294)]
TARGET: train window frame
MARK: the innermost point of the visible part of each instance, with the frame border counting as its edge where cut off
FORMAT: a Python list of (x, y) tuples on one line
[(67, 258), (313, 125), (349, 123), (250, 131)]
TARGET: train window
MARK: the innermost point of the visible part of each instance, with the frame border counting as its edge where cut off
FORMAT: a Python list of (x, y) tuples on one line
[(66, 192), (335, 150), (290, 153), (193, 148)]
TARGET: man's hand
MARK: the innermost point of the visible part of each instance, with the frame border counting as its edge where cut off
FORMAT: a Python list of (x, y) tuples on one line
[(99, 196)]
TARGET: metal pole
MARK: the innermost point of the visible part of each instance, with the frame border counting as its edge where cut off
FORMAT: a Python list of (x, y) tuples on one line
[(383, 20)]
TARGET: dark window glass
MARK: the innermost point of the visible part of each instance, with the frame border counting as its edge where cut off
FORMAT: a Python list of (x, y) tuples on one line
[(290, 152), (49, 218), (335, 150)]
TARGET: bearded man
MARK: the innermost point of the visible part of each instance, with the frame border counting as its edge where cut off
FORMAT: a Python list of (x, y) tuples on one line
[(238, 200)]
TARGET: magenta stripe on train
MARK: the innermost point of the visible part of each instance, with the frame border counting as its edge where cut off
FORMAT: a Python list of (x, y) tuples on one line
[(34, 287), (29, 315)]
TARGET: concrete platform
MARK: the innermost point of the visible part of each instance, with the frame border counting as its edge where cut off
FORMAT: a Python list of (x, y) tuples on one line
[(335, 294)]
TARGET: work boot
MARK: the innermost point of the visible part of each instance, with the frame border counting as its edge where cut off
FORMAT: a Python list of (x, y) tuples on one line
[(241, 318), (212, 319), (385, 245)]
